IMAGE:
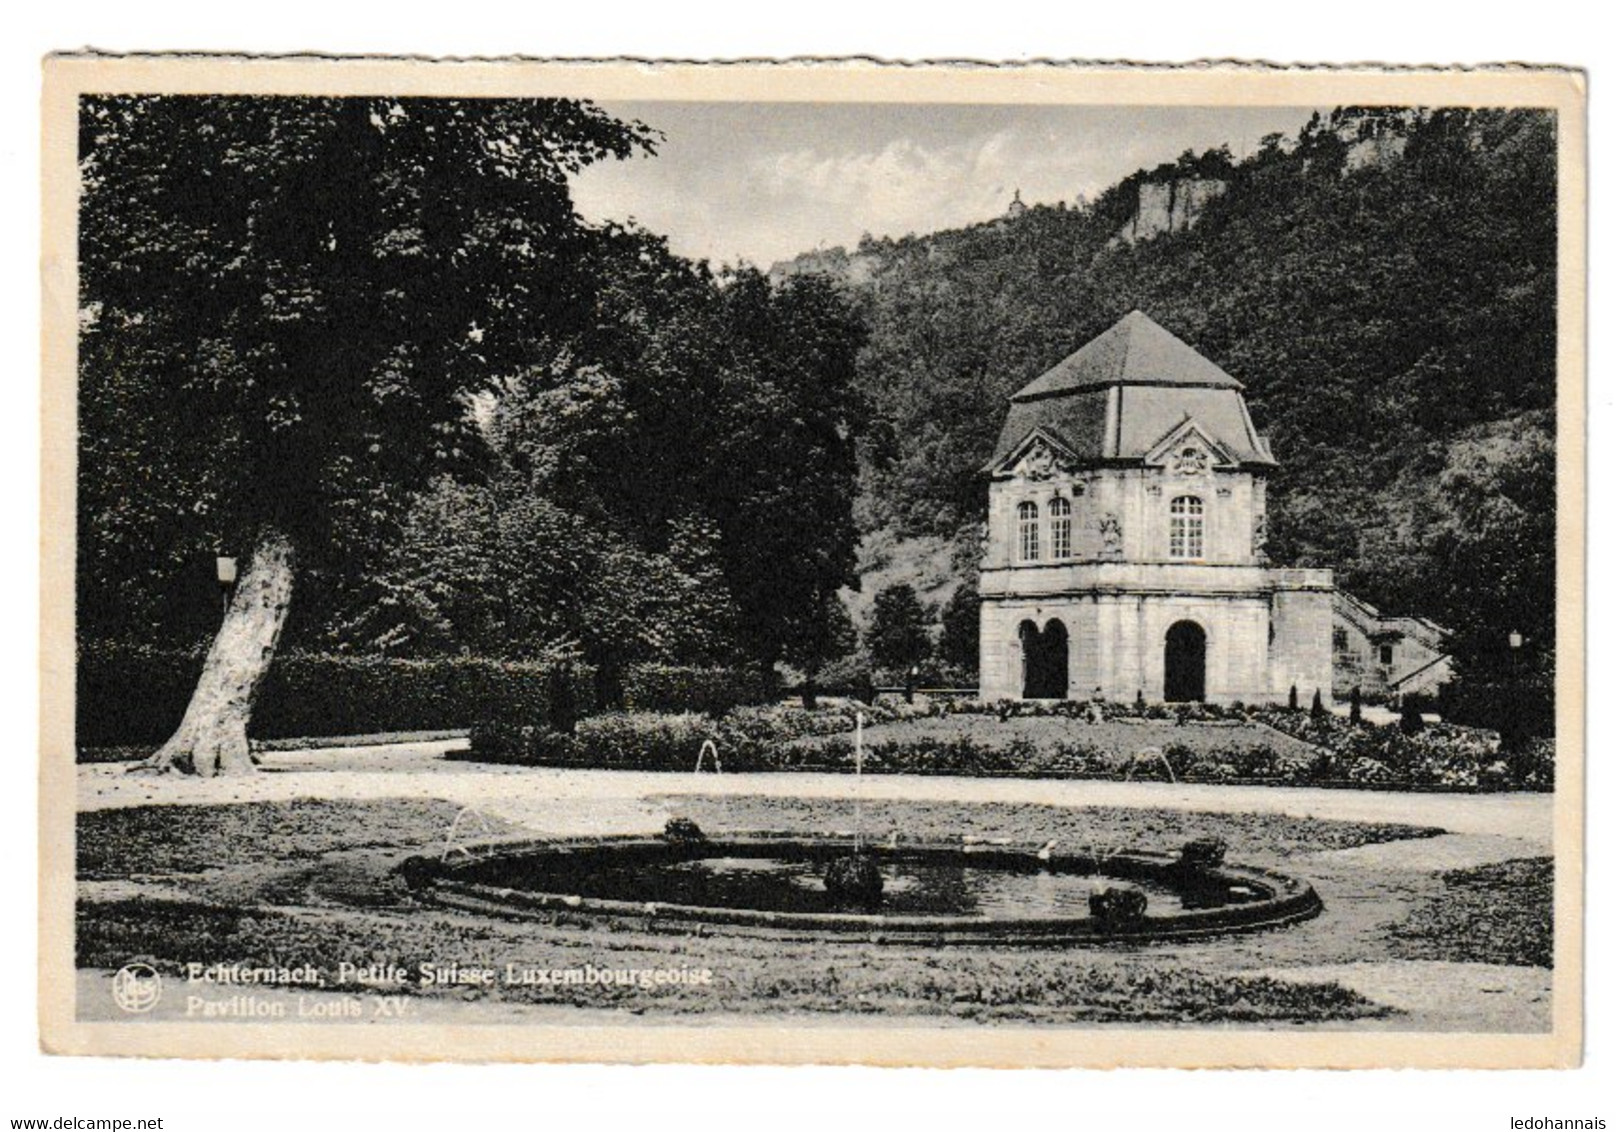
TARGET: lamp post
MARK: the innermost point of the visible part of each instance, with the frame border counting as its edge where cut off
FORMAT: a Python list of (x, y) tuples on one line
[(225, 570), (1512, 735)]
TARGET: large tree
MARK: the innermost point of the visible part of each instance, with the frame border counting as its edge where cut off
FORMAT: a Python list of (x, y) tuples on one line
[(291, 299), (783, 470)]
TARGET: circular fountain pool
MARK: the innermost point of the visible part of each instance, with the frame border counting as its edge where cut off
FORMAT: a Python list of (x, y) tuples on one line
[(935, 893)]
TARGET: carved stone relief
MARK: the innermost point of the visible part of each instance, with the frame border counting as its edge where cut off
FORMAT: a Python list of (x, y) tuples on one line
[(1042, 462), (1110, 535), (1191, 460)]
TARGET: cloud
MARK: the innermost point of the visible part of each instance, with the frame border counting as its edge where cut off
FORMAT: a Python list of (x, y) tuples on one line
[(909, 186)]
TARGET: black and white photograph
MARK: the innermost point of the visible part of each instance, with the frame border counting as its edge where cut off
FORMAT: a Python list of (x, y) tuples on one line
[(821, 563)]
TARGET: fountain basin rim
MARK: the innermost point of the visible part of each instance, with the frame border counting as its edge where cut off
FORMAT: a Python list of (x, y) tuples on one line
[(1283, 899)]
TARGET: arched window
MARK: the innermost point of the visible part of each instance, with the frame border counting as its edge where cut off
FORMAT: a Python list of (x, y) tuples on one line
[(1186, 528), (1060, 528), (1027, 525)]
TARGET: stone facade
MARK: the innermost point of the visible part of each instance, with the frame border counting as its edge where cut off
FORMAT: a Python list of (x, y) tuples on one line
[(1126, 541)]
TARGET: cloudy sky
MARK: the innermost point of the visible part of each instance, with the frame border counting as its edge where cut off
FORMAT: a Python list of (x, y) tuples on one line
[(763, 181)]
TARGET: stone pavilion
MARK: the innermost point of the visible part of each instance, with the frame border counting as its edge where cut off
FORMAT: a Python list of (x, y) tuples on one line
[(1126, 541)]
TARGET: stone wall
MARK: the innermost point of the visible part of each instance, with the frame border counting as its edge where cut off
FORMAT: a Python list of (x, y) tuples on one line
[(1299, 654), (1260, 637)]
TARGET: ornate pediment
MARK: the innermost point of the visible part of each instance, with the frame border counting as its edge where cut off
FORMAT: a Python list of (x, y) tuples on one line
[(1188, 450), (1039, 457)]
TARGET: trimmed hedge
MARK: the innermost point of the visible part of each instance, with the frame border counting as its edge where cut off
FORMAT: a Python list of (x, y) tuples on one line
[(748, 738), (675, 688), (132, 695)]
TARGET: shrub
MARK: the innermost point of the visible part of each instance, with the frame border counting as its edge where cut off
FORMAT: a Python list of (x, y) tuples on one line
[(498, 741), (646, 741), (562, 694), (683, 831), (854, 879), (1410, 722), (1532, 765), (523, 746), (785, 737), (133, 694), (676, 688), (1117, 908), (845, 674), (1369, 772), (1203, 853), (758, 737), (1523, 707)]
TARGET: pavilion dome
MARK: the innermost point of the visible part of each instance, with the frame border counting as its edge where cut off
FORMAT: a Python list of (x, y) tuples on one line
[(1126, 392)]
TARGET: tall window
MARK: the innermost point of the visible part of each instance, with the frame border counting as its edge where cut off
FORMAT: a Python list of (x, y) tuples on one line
[(1186, 528), (1027, 523), (1060, 528)]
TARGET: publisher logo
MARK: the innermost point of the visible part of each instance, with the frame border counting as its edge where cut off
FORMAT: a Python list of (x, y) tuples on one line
[(136, 988)]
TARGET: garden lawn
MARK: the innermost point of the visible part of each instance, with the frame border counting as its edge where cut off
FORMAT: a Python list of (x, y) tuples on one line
[(1499, 913)]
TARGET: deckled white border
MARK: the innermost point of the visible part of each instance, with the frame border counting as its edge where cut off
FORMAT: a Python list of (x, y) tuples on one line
[(816, 80)]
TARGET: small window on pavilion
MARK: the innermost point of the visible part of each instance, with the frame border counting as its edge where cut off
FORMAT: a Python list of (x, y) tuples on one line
[(1027, 527), (1386, 654), (1186, 529), (1060, 527)]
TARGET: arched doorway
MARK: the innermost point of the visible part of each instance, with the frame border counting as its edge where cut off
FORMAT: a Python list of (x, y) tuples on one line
[(1186, 663), (1044, 661)]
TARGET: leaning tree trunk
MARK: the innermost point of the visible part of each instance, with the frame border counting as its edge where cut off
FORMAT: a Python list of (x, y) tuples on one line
[(212, 738)]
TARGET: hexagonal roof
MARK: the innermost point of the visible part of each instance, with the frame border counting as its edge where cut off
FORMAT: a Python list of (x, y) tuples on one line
[(1123, 392), (1136, 351)]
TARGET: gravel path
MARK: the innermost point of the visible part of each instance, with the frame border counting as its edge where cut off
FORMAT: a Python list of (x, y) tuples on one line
[(556, 801)]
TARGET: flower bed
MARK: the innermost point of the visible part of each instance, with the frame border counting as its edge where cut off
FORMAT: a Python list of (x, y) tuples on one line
[(1073, 739), (750, 738)]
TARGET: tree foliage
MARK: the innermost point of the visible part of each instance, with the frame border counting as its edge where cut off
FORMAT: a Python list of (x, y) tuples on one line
[(898, 636), (959, 643), (673, 485), (286, 302)]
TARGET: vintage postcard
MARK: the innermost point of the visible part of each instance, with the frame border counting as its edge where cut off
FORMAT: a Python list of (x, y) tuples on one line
[(1039, 565)]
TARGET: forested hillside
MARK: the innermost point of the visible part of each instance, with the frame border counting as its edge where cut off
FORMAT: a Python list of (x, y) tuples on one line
[(1384, 285)]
